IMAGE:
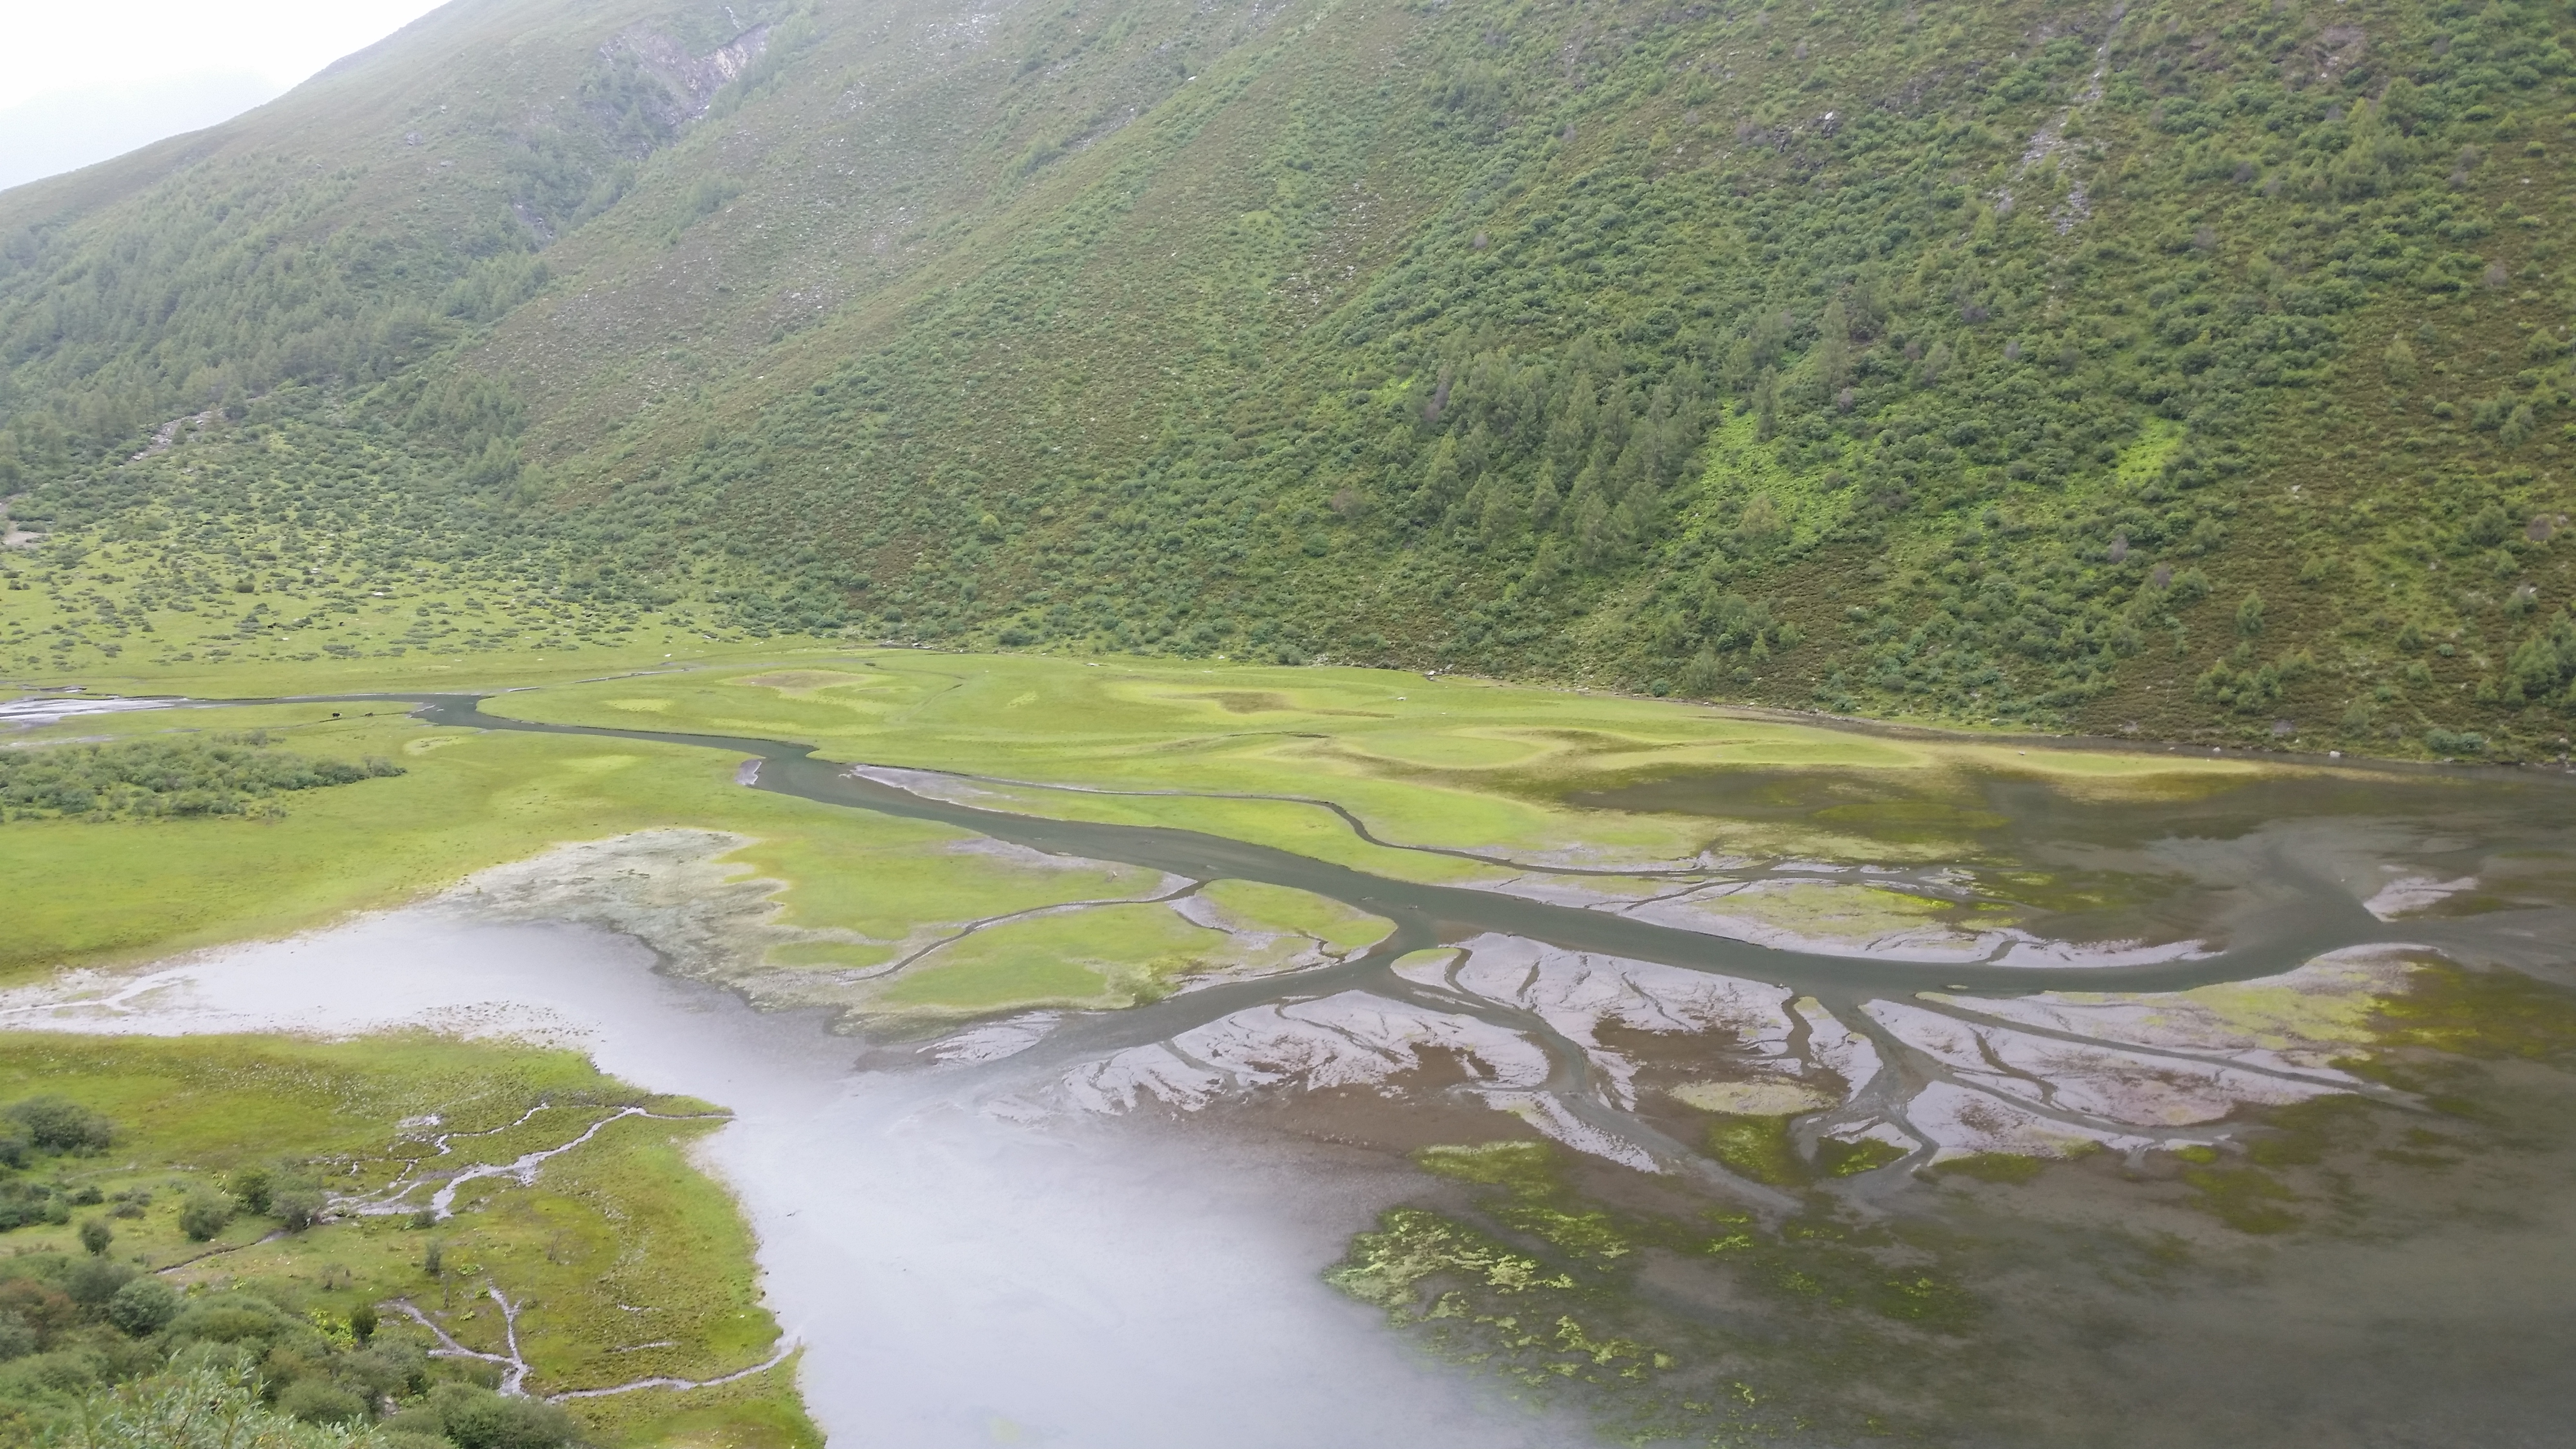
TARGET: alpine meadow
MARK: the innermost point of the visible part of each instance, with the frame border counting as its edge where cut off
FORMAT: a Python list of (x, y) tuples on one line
[(2193, 372)]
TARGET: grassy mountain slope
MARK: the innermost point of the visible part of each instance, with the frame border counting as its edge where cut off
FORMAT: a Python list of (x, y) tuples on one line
[(2186, 369)]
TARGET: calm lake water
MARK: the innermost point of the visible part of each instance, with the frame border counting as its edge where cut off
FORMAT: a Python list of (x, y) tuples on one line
[(958, 1280)]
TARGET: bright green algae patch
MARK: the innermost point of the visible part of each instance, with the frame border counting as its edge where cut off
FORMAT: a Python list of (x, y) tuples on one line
[(2484, 1015), (1758, 1148), (623, 1219)]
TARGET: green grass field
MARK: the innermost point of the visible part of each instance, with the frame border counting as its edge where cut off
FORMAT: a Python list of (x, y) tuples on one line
[(622, 1219), (1447, 762), (1249, 752)]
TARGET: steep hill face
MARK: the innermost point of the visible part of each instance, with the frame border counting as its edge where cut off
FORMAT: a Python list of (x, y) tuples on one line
[(2192, 370)]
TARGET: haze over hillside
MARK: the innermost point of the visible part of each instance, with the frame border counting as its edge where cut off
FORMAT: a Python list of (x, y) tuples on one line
[(2193, 370), (101, 79)]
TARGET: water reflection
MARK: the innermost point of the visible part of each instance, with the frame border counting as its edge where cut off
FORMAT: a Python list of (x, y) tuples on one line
[(958, 1279)]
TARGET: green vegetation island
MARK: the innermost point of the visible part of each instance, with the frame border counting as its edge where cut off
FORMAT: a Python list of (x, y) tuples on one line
[(764, 725)]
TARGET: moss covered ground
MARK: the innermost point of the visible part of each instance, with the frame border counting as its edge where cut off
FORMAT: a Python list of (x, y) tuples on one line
[(1534, 1274)]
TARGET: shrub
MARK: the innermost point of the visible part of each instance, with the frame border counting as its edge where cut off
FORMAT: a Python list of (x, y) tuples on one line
[(61, 1126), (2545, 663), (144, 1306), (2491, 527), (94, 1280), (319, 1401), (40, 1307), (1700, 677), (17, 1336), (297, 1205), (162, 778), (477, 1418), (387, 1369), (251, 1186), (2446, 742), (2399, 362), (235, 1318), (200, 1408), (205, 1214)]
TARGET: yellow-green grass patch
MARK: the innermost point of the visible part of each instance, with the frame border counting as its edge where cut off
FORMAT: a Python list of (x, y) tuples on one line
[(1850, 912), (1369, 740), (623, 1219), (88, 893), (1103, 956), (887, 878), (1255, 906), (1445, 763)]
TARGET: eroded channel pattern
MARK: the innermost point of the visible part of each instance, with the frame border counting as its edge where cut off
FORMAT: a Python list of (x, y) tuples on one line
[(1730, 1143), (1574, 1044)]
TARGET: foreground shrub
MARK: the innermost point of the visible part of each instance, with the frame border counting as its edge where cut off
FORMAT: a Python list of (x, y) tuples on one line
[(203, 1408)]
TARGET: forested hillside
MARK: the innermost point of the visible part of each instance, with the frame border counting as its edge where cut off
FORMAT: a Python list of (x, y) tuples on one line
[(2192, 370)]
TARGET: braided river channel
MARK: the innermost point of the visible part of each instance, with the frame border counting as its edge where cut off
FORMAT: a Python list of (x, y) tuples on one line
[(2261, 1137)]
